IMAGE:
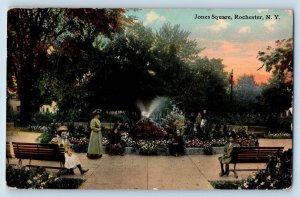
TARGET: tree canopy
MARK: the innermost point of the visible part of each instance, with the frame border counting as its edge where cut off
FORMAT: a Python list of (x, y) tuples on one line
[(98, 58), (33, 33), (279, 60), (247, 93)]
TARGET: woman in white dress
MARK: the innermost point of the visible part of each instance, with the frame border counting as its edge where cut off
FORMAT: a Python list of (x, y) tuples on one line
[(71, 160)]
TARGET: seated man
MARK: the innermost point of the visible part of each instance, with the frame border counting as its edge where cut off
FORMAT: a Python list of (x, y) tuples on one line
[(227, 156), (176, 148), (71, 160), (115, 143)]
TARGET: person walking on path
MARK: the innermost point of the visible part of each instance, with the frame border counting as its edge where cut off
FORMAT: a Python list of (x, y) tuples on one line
[(71, 160), (95, 148)]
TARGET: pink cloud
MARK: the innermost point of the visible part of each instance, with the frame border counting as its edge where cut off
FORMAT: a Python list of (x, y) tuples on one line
[(244, 30), (270, 25), (220, 25), (241, 57)]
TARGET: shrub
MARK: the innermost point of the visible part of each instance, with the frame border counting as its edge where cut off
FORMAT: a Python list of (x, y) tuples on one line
[(43, 119), (79, 145), (207, 149), (225, 184), (47, 134), (152, 147), (278, 174), (38, 178)]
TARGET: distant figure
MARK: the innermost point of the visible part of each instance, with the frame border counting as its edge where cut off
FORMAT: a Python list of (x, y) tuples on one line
[(192, 118), (115, 143), (71, 160), (95, 148), (176, 148), (203, 120), (227, 156), (198, 119)]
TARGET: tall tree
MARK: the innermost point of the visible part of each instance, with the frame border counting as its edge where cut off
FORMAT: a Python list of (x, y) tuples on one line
[(280, 61), (247, 93), (33, 33), (206, 88), (141, 64)]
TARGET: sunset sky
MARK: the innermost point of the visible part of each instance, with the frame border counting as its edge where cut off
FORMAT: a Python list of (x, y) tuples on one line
[(236, 41)]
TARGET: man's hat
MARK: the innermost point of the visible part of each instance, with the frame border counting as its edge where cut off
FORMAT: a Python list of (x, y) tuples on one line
[(97, 111)]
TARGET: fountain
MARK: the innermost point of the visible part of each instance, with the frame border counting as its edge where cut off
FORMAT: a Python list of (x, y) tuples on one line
[(146, 128)]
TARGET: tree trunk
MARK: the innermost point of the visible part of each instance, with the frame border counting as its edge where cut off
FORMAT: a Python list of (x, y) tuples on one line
[(28, 108)]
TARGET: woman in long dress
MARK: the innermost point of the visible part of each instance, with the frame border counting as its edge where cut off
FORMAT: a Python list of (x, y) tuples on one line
[(95, 148), (71, 160)]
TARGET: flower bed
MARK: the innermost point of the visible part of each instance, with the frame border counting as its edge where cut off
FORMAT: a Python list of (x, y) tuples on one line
[(152, 147), (263, 180), (220, 142), (79, 138), (79, 145), (38, 178), (279, 135)]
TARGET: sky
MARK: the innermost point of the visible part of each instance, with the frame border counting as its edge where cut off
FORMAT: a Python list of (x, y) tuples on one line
[(236, 41)]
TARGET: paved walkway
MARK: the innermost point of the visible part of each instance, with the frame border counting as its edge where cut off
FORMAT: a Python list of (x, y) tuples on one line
[(150, 172)]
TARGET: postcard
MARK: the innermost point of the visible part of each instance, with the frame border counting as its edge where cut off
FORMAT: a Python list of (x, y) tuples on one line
[(149, 99)]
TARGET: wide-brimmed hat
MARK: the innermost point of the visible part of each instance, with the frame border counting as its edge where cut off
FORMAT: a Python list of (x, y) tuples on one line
[(97, 112), (61, 129)]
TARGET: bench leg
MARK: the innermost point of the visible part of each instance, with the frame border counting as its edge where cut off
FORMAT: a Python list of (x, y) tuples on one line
[(20, 162), (29, 164), (234, 171)]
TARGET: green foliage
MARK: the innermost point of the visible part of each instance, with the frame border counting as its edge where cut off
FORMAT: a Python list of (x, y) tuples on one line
[(205, 87), (41, 32), (273, 122), (43, 119), (38, 178), (246, 93), (278, 178), (207, 149), (47, 134), (279, 60), (277, 96), (152, 147), (131, 65), (225, 184), (174, 40), (278, 174), (174, 121)]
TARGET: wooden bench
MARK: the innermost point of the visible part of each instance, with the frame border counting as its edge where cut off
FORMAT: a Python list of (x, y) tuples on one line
[(253, 155), (36, 151)]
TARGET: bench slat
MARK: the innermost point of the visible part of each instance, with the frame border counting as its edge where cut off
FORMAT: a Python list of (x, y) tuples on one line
[(254, 154), (35, 151)]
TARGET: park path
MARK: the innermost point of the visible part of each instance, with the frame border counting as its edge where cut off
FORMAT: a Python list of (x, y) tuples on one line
[(133, 171)]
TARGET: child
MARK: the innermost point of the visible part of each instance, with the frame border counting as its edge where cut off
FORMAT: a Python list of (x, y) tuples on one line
[(71, 160)]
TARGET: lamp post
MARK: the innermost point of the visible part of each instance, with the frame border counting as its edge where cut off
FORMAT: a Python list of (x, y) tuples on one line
[(231, 85)]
